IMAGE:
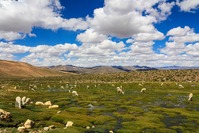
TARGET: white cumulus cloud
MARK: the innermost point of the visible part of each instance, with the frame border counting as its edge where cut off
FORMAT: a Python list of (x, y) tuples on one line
[(188, 5), (127, 18), (146, 37), (20, 17), (183, 35), (182, 44), (179, 31), (90, 36)]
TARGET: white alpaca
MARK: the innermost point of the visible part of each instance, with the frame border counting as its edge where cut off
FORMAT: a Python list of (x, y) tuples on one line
[(27, 100), (181, 86), (48, 103), (140, 84), (143, 90), (190, 97), (69, 124), (74, 93), (18, 102), (91, 107), (39, 103), (53, 106), (28, 124), (23, 100), (119, 90)]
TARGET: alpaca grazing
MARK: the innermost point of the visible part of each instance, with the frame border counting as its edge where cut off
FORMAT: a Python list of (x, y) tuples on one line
[(120, 90)]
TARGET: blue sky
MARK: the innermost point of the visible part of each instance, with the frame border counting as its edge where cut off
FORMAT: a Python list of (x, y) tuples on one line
[(100, 32)]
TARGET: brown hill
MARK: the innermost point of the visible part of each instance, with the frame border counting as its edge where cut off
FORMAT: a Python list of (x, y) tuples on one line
[(86, 70), (13, 69), (99, 69)]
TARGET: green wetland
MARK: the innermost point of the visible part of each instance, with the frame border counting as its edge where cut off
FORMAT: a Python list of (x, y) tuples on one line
[(99, 108)]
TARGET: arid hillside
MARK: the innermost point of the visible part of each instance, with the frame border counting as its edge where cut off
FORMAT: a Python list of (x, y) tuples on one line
[(12, 69)]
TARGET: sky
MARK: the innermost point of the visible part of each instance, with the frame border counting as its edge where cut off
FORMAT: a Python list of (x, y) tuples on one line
[(88, 33)]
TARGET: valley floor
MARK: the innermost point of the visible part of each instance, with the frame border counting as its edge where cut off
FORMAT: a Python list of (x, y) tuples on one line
[(162, 108)]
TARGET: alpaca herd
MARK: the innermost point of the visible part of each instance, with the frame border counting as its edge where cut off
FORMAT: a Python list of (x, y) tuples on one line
[(22, 102)]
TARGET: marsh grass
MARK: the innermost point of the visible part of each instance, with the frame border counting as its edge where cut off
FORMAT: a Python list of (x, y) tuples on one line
[(160, 109)]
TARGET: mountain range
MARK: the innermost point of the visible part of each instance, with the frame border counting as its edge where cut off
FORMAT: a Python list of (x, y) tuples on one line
[(113, 69), (177, 67), (13, 69), (99, 69)]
